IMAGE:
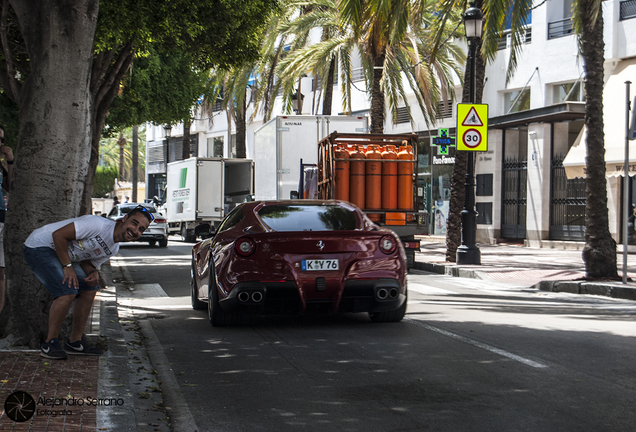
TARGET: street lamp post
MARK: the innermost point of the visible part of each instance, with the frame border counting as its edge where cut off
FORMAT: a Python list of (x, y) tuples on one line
[(168, 130), (468, 252)]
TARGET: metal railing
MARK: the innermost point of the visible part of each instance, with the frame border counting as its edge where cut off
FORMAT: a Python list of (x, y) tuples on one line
[(628, 9), (504, 39), (560, 28)]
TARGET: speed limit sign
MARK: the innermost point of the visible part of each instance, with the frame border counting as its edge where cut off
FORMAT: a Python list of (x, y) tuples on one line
[(472, 138), (472, 127)]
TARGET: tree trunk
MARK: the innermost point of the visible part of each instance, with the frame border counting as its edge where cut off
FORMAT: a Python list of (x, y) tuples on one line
[(107, 72), (241, 127), (458, 179), (122, 143), (185, 148), (599, 252), (135, 162), (328, 99), (53, 146), (377, 97)]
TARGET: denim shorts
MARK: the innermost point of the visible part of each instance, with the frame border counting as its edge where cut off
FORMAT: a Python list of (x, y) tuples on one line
[(46, 265)]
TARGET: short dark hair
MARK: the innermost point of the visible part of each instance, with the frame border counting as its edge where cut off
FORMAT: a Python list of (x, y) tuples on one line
[(143, 210)]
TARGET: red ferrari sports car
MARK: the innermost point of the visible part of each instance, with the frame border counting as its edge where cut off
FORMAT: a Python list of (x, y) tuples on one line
[(279, 257)]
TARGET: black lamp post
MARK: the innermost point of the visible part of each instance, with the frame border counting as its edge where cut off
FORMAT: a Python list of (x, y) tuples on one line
[(468, 252)]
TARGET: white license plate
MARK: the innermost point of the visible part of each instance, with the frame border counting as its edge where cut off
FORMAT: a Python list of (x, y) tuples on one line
[(320, 264)]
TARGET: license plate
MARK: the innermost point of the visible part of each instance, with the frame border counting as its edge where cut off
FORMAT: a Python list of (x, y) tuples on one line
[(320, 264)]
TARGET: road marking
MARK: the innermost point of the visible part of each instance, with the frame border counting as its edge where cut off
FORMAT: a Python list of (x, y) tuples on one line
[(480, 345), (428, 290)]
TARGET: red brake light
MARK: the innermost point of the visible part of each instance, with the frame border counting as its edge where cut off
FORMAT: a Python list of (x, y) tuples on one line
[(245, 246), (160, 220), (388, 244)]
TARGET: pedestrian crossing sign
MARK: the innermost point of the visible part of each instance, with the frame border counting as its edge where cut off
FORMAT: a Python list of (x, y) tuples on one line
[(472, 127)]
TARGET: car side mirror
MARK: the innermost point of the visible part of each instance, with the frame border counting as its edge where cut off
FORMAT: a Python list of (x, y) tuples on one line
[(204, 231)]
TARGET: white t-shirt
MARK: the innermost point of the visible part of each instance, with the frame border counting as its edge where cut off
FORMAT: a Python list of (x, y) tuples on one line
[(94, 234)]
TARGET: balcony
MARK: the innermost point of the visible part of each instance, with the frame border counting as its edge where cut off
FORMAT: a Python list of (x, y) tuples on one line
[(504, 39), (628, 9), (560, 28)]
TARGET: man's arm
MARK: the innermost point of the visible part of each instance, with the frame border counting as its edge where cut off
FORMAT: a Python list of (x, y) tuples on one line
[(61, 237)]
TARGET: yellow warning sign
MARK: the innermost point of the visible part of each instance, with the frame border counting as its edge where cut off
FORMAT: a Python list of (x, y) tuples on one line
[(472, 127)]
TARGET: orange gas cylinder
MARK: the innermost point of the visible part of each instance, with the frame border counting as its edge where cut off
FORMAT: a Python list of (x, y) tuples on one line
[(342, 174), (389, 179), (356, 177), (405, 180), (373, 182)]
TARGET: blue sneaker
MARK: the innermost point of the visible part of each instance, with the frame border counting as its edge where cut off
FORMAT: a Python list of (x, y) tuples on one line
[(53, 350), (82, 347)]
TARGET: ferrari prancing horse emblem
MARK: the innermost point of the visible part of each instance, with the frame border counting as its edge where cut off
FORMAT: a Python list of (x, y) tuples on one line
[(320, 245)]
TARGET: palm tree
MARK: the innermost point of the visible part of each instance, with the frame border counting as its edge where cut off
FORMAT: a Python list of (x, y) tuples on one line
[(599, 253), (394, 42), (109, 153)]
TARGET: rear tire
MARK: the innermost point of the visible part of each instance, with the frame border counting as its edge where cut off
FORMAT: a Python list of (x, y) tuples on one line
[(217, 316), (395, 315), (194, 292), (163, 243), (152, 242)]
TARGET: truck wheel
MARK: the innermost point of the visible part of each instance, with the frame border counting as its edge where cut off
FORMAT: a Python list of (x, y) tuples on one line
[(194, 296), (390, 316), (187, 235), (217, 316)]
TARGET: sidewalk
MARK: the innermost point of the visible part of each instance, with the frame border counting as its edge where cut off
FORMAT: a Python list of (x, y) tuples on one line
[(557, 270)]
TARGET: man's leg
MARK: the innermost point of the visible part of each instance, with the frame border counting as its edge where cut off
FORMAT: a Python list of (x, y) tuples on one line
[(81, 311), (57, 314)]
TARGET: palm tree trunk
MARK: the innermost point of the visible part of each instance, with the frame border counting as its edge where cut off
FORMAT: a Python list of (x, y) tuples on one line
[(185, 149), (241, 127), (377, 96), (135, 161), (328, 89), (599, 253)]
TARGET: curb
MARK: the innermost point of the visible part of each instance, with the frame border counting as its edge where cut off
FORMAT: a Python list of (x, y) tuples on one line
[(613, 290)]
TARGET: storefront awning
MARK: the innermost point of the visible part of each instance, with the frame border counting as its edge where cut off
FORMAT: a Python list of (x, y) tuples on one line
[(614, 118)]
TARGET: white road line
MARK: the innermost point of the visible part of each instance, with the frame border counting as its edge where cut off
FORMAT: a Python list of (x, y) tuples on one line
[(479, 345), (428, 290)]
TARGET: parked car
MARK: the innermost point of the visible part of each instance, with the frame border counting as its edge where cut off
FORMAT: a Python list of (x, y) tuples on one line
[(157, 231), (298, 256)]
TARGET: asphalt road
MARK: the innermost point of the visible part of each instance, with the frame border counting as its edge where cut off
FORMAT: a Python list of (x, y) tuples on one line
[(471, 355)]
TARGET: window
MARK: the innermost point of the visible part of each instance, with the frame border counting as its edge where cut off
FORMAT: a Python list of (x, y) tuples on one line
[(403, 115), (215, 147), (285, 217), (444, 109), (232, 219), (515, 101), (233, 146), (568, 92)]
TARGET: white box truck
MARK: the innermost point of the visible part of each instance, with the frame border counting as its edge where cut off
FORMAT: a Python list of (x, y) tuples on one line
[(281, 143), (205, 190)]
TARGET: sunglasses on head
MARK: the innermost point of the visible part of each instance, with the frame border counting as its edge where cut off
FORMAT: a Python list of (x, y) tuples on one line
[(144, 210)]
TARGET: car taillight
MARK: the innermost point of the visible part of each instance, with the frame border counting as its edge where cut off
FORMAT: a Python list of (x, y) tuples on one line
[(160, 220), (388, 244), (245, 246)]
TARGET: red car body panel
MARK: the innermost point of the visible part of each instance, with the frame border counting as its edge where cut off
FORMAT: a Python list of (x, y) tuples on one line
[(275, 266)]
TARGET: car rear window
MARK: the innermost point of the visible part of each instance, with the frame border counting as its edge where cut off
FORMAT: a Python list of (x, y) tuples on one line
[(283, 217)]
